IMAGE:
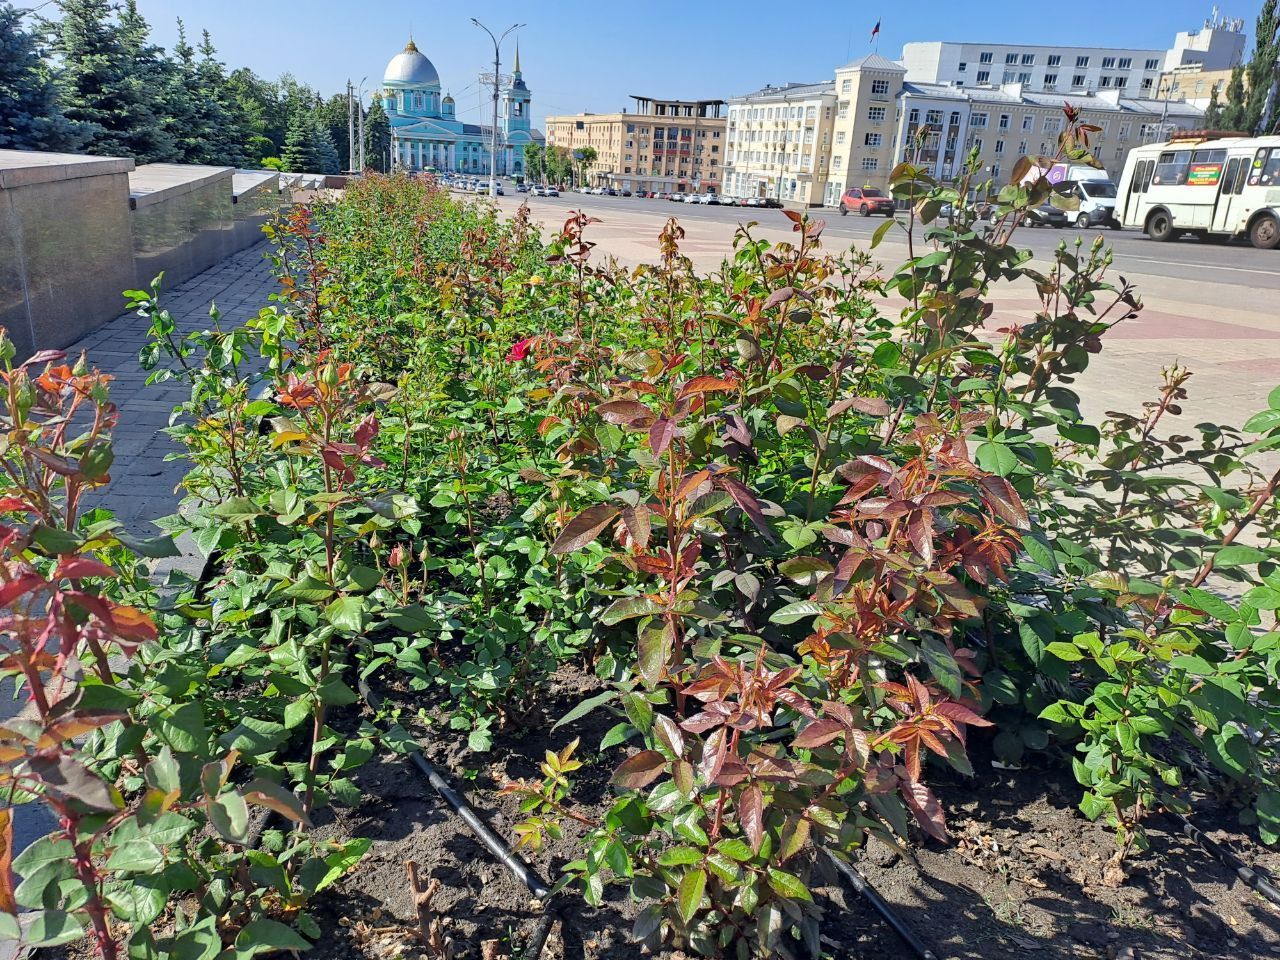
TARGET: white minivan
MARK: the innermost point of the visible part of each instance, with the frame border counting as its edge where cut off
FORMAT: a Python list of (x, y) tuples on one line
[(1092, 188)]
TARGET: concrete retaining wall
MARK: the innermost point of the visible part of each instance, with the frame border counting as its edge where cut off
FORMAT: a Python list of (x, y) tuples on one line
[(76, 231), (66, 249)]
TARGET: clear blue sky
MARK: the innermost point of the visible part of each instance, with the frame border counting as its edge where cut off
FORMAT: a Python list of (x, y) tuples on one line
[(580, 55)]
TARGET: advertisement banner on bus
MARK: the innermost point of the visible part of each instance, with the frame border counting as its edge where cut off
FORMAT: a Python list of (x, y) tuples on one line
[(1204, 174)]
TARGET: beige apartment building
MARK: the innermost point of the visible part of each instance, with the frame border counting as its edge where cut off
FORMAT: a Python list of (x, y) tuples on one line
[(666, 146), (779, 143), (873, 119), (1195, 85)]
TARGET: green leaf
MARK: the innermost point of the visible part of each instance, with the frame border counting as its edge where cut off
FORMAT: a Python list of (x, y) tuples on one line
[(1268, 811), (237, 508), (941, 663), (182, 729), (1214, 606), (585, 707), (689, 894), (1064, 651), (797, 611), (681, 857), (136, 856), (1263, 422), (735, 849), (346, 614), (1040, 551), (788, 885), (253, 737), (230, 815), (996, 458), (1237, 555), (263, 936), (627, 608), (881, 230), (48, 928)]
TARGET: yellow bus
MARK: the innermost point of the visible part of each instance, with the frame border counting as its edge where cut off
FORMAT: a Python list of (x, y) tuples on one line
[(1205, 185)]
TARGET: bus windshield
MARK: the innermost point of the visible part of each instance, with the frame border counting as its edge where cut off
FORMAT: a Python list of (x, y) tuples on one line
[(1104, 189)]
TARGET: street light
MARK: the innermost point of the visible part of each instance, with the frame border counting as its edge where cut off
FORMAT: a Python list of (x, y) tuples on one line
[(360, 124), (497, 79)]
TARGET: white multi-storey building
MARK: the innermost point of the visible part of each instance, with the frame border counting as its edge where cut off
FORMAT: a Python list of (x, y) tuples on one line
[(779, 142), (1135, 72)]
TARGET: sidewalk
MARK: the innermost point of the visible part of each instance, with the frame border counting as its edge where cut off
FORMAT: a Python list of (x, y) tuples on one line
[(143, 485)]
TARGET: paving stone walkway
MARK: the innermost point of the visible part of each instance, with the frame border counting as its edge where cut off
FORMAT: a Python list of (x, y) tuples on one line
[(143, 485)]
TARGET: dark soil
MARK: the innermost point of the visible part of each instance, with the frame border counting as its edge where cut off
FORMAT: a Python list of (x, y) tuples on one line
[(1022, 877)]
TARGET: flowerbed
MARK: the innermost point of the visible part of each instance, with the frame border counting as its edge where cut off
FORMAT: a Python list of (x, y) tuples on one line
[(807, 552)]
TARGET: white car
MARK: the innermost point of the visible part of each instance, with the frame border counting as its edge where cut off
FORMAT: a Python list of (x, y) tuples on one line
[(690, 198)]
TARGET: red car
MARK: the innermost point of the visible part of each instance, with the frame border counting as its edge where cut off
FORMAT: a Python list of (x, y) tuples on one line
[(866, 200)]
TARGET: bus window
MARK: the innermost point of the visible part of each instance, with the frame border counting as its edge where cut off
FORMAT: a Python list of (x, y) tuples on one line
[(1229, 179), (1172, 168), (1146, 178), (1271, 171), (1209, 156), (1243, 176), (1255, 172)]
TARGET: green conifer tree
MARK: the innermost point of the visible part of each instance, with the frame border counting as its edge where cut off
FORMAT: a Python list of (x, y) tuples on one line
[(103, 86), (377, 137), (30, 115)]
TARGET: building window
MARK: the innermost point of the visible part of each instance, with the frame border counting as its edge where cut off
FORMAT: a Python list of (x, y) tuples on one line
[(1106, 81), (984, 76), (1054, 60), (1082, 61), (977, 120), (837, 162), (1126, 63), (1024, 77), (875, 114), (842, 112), (995, 170), (999, 146), (963, 67), (1004, 121), (955, 118), (1077, 81), (1022, 148), (879, 87), (913, 117), (1123, 135), (1028, 59), (1050, 81), (1153, 64), (1108, 63), (1122, 81), (1011, 58), (840, 137), (976, 143), (1146, 85), (933, 118), (870, 163), (846, 85), (984, 57), (873, 139), (1052, 124)]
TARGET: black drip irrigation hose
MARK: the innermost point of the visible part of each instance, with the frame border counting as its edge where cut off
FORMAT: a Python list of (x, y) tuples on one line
[(862, 886), (492, 842), (1259, 882)]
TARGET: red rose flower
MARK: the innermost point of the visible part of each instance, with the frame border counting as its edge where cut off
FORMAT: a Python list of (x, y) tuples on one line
[(520, 350)]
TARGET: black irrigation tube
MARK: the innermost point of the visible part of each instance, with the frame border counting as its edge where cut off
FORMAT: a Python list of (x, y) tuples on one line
[(491, 841), (862, 886), (1259, 882)]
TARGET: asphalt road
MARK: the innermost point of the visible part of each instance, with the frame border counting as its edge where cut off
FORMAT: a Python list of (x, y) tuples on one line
[(1235, 263)]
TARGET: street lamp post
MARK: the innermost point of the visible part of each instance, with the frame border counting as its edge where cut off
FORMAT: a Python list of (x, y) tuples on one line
[(497, 80), (360, 123)]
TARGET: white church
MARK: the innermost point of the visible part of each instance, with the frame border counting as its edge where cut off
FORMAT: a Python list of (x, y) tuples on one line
[(426, 133)]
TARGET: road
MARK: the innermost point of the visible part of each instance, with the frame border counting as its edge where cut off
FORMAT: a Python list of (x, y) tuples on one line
[(1212, 307), (1236, 262)]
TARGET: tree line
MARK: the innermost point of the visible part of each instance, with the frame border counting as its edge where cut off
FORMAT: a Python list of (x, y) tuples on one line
[(1250, 105), (92, 81)]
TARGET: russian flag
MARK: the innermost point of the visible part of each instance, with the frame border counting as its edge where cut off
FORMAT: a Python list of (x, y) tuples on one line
[(875, 30)]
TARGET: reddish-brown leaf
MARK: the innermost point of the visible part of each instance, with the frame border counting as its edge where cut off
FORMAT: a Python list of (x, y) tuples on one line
[(706, 385), (745, 499), (871, 406), (1004, 500), (7, 903), (639, 525), (77, 568), (627, 413), (751, 815), (638, 771), (818, 733), (661, 433), (584, 528), (925, 806), (960, 713)]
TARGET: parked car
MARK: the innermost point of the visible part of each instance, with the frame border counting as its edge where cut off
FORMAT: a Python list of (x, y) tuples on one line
[(626, 193), (690, 198), (1045, 215), (608, 192), (771, 202), (866, 201)]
